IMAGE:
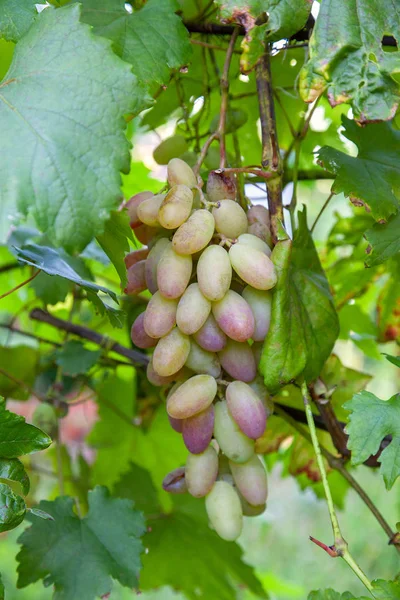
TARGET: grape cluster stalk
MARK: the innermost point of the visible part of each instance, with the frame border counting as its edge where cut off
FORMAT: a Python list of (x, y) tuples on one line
[(206, 262)]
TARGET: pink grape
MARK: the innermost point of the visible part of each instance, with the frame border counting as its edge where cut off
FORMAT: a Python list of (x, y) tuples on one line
[(173, 273), (253, 266), (230, 219), (197, 430), (138, 334), (238, 361), (136, 279), (214, 272), (160, 316), (175, 482), (194, 235), (210, 337), (171, 353), (260, 303), (193, 310), (246, 409), (193, 396), (251, 480), (134, 257), (234, 316), (176, 207), (201, 472)]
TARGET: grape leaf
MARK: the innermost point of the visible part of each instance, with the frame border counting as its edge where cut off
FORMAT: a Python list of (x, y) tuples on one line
[(12, 469), (61, 114), (114, 241), (304, 324), (383, 590), (12, 508), (153, 39), (18, 364), (329, 594), (385, 241), (51, 289), (370, 421), (18, 437), (57, 262), (395, 360), (75, 359), (16, 18), (82, 554), (346, 56), (137, 485), (372, 177)]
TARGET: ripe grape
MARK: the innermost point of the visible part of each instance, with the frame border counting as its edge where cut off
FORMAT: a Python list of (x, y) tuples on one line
[(260, 304), (237, 359), (176, 424), (193, 396), (152, 261), (246, 409), (214, 272), (230, 219), (159, 380), (175, 207), (233, 443), (160, 316), (201, 472), (132, 206), (197, 430), (234, 316), (253, 266), (147, 211), (173, 273), (210, 337), (254, 242), (225, 511), (202, 361), (171, 353), (194, 235), (193, 310), (251, 480), (179, 173), (138, 334), (136, 278), (134, 257)]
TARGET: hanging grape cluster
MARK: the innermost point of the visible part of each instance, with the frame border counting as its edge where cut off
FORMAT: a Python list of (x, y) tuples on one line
[(207, 265)]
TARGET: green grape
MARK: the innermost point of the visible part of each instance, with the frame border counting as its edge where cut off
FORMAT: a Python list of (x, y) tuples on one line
[(230, 219), (171, 353), (201, 472), (176, 207), (253, 266), (160, 380), (132, 206), (260, 303), (234, 316), (233, 443), (189, 157), (160, 316), (246, 408), (193, 310), (201, 361), (179, 173), (195, 234), (220, 186), (169, 148), (225, 511), (147, 210), (192, 397), (254, 242), (251, 480), (136, 256), (136, 278), (173, 273), (237, 359), (214, 272), (210, 337), (150, 270), (45, 417)]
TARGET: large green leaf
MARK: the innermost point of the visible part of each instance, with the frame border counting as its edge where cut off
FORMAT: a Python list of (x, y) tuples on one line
[(346, 56), (16, 18), (18, 437), (384, 240), (114, 241), (153, 39), (373, 177), (12, 508), (81, 556), (383, 590), (370, 421), (18, 364), (12, 469), (61, 114), (304, 323), (75, 359)]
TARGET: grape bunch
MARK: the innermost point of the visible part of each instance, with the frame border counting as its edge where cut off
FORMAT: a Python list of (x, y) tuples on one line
[(207, 265)]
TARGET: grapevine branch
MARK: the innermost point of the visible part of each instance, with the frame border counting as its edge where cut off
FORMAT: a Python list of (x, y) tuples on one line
[(20, 285)]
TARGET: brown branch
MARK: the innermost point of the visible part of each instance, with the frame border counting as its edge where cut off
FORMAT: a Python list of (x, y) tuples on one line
[(137, 358), (333, 425), (20, 285)]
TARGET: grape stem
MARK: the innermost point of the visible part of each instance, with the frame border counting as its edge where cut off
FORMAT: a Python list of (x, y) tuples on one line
[(340, 545), (20, 285)]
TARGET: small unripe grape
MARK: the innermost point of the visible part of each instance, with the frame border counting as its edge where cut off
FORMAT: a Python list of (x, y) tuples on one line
[(132, 205), (201, 472), (136, 256), (234, 316), (251, 480), (214, 272), (176, 207), (136, 279), (160, 316), (202, 361), (193, 310), (210, 337), (197, 430), (169, 148), (152, 261), (237, 446), (230, 219), (238, 361), (220, 186), (138, 334), (171, 353), (195, 234), (179, 173), (246, 408), (147, 211), (45, 417), (254, 242), (175, 482), (193, 396), (253, 266), (225, 511), (173, 273), (260, 303)]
